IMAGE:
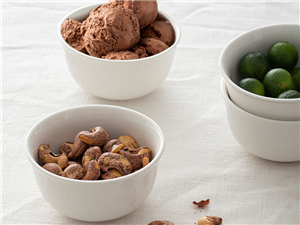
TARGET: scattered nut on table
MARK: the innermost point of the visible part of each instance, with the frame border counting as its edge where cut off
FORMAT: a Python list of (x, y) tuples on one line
[(210, 220), (161, 222), (92, 155)]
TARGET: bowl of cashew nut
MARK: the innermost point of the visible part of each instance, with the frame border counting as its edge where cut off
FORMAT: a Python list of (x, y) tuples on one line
[(95, 162)]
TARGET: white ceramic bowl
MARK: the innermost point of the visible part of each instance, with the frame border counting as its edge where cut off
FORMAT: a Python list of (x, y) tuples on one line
[(268, 139), (99, 200), (117, 79), (259, 39)]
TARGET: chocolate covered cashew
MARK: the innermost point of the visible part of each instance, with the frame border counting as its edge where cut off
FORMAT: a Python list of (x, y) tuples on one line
[(114, 161), (92, 153), (74, 171), (66, 147), (90, 164), (53, 168), (72, 162), (79, 147), (84, 159), (98, 137), (128, 141), (138, 160), (116, 148), (47, 156), (92, 170), (108, 146), (110, 174)]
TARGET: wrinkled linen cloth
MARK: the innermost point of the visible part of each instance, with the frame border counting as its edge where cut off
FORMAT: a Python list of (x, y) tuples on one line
[(202, 160)]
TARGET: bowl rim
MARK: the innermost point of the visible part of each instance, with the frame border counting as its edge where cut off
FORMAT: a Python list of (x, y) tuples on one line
[(241, 90), (225, 94), (175, 25), (93, 182)]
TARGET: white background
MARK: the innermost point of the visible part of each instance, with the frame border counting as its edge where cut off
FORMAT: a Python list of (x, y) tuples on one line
[(201, 161)]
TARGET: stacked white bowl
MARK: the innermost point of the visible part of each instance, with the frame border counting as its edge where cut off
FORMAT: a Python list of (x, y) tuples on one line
[(266, 127)]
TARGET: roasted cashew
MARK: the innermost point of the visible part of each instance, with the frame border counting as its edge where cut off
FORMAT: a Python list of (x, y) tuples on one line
[(128, 141), (161, 222), (108, 146), (66, 147), (116, 148), (210, 220), (92, 153), (79, 147), (110, 174), (74, 171), (114, 161), (98, 137), (72, 162), (53, 168), (47, 156), (92, 171), (138, 160)]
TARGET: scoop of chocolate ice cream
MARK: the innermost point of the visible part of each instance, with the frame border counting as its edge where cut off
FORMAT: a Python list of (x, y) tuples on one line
[(141, 51), (146, 11), (70, 31), (109, 29), (122, 55), (161, 30), (153, 46)]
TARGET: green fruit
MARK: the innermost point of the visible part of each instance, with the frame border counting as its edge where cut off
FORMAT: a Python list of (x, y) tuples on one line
[(289, 94), (277, 81), (252, 85), (254, 65), (283, 55), (296, 77)]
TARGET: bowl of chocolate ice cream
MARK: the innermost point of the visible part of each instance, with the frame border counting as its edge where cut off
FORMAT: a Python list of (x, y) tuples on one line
[(119, 50)]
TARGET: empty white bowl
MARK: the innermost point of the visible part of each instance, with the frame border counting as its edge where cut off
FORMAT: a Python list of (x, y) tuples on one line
[(117, 79), (268, 139), (99, 200), (259, 39)]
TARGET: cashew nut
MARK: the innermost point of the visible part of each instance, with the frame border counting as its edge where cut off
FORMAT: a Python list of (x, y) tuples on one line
[(53, 168), (114, 161), (116, 148), (139, 160), (72, 162), (110, 174), (128, 141), (210, 220), (161, 222), (92, 170), (74, 171), (98, 137), (66, 147), (79, 147), (92, 153), (108, 146), (47, 156)]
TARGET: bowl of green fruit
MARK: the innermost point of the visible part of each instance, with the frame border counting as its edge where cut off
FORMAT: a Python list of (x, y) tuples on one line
[(261, 68)]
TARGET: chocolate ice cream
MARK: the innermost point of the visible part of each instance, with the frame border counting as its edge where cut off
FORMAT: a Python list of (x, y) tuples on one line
[(141, 51), (70, 31), (153, 46), (114, 31), (122, 55), (110, 29), (161, 30), (146, 11)]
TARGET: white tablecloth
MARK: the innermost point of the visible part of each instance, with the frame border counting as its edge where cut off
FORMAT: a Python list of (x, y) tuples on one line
[(202, 160)]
